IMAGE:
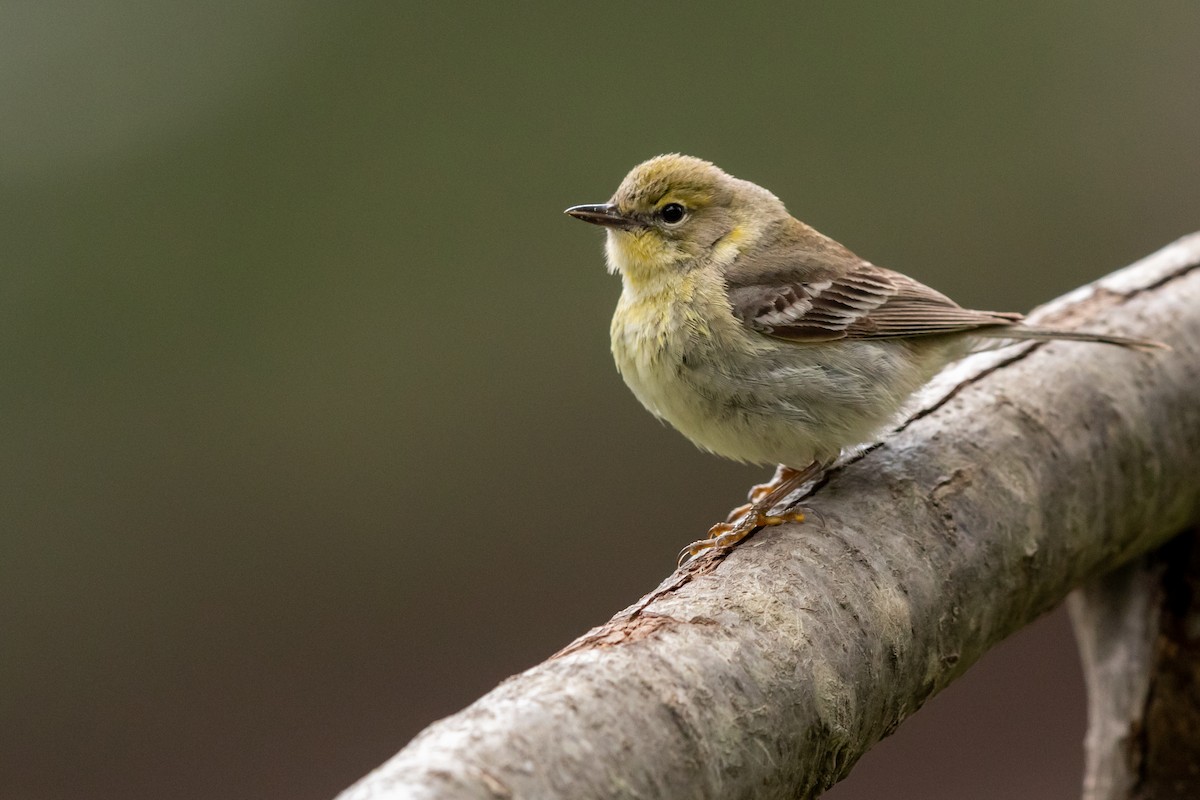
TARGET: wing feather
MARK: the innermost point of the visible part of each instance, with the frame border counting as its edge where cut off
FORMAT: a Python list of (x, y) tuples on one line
[(862, 302)]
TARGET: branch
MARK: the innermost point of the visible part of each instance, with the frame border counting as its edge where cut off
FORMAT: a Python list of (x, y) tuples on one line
[(767, 673), (1139, 636)]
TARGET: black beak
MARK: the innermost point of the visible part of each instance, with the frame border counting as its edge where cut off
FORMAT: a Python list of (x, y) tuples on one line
[(605, 214)]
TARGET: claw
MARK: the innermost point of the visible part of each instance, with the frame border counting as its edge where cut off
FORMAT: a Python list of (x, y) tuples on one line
[(746, 519), (724, 535)]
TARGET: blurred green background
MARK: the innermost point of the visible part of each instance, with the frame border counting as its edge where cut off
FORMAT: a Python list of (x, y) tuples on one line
[(310, 430)]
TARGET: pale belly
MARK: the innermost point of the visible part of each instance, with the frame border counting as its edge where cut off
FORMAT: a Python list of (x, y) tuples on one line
[(761, 400)]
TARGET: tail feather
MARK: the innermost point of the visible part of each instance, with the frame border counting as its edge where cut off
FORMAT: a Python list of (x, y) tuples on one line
[(1041, 334)]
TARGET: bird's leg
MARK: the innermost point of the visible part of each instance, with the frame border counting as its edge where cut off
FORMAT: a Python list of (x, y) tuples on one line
[(757, 492), (765, 496), (744, 520)]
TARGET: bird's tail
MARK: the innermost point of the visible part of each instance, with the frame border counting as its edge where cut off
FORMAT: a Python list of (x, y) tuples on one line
[(1022, 332)]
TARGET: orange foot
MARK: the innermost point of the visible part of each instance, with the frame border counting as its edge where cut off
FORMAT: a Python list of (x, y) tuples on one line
[(724, 535), (746, 519)]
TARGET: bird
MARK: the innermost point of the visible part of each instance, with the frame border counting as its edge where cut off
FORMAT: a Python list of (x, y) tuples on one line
[(764, 341)]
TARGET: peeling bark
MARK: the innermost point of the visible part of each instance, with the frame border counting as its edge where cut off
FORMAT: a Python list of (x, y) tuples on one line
[(1022, 474)]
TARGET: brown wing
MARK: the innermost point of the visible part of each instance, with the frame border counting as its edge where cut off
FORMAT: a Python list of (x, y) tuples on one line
[(862, 302)]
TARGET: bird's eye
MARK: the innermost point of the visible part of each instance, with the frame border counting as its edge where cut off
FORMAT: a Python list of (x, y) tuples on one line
[(672, 213)]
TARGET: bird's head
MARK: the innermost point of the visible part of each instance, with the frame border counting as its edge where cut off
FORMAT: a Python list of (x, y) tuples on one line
[(675, 213)]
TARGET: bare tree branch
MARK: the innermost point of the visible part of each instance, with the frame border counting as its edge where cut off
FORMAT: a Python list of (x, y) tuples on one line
[(1139, 634), (1024, 473)]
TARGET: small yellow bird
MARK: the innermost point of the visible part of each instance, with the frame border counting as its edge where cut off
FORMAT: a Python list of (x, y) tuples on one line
[(762, 340)]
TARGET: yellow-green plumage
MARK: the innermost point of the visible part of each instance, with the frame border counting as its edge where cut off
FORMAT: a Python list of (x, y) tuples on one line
[(759, 338)]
